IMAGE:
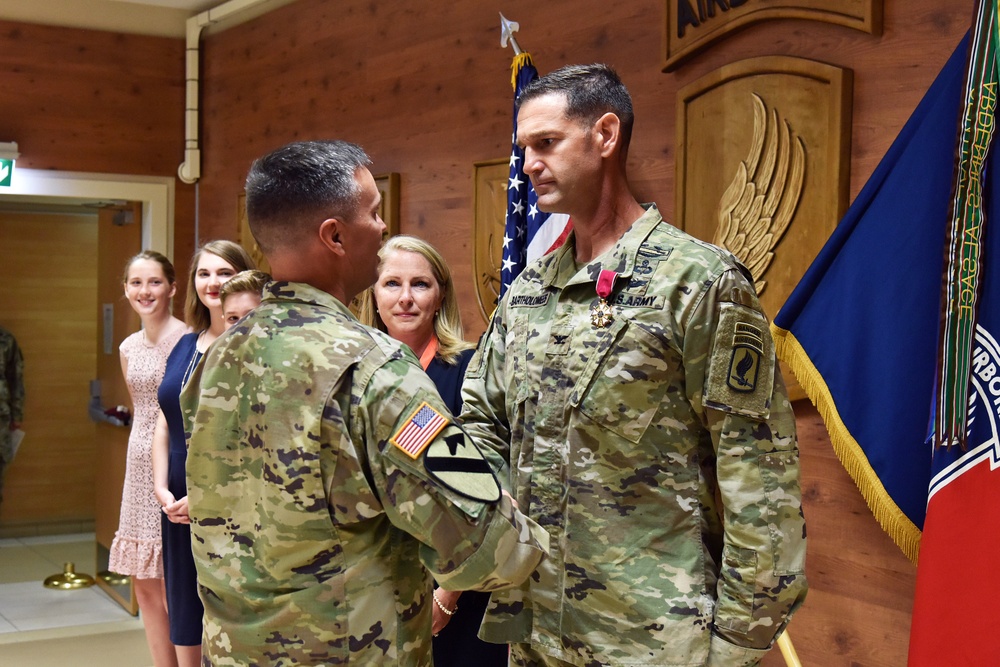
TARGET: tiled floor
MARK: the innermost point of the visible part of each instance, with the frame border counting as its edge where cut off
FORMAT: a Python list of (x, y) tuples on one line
[(27, 605)]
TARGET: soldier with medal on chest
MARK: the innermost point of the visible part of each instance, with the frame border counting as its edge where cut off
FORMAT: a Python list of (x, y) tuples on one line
[(570, 166), (625, 379)]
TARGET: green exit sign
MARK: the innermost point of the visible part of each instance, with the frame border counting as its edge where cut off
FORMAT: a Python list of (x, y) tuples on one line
[(6, 171)]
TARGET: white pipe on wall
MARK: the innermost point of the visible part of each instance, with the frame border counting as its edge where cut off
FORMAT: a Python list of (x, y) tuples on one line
[(190, 170)]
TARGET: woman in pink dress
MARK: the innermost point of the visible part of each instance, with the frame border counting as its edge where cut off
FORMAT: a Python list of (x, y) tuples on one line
[(150, 282)]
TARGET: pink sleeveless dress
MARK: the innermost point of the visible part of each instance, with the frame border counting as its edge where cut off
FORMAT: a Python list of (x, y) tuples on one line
[(137, 549)]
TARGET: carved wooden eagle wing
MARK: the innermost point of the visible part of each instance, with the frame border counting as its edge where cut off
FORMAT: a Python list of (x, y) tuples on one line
[(758, 205)]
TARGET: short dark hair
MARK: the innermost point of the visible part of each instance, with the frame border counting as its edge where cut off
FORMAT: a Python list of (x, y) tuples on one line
[(591, 91), (299, 183)]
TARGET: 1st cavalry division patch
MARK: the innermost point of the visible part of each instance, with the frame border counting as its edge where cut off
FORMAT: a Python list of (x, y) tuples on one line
[(419, 430), (459, 465)]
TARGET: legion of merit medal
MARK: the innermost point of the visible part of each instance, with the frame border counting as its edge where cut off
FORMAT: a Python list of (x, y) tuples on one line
[(602, 314)]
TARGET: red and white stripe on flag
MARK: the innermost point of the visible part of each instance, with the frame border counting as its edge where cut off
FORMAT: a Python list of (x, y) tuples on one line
[(549, 236), (420, 428)]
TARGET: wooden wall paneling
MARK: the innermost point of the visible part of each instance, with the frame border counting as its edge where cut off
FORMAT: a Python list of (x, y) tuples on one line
[(48, 269), (92, 101)]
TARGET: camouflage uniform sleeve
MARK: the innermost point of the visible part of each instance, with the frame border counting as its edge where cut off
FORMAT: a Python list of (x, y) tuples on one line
[(735, 384), (447, 497), (484, 400), (14, 369)]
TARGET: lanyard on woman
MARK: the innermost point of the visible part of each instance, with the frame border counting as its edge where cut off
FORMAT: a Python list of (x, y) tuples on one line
[(428, 354)]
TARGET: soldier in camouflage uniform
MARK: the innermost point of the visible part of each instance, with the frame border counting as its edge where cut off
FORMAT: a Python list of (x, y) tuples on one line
[(628, 384), (11, 397), (327, 481)]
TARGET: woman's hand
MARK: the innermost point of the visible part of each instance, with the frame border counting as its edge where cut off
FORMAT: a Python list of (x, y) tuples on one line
[(164, 497), (177, 511), (448, 600)]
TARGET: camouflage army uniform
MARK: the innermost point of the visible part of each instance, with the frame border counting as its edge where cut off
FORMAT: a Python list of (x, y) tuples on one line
[(311, 531), (11, 396), (628, 442)]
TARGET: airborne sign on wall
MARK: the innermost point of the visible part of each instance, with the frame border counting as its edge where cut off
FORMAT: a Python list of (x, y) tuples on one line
[(693, 25)]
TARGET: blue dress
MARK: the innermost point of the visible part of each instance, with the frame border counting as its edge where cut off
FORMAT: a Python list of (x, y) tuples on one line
[(458, 644), (180, 579)]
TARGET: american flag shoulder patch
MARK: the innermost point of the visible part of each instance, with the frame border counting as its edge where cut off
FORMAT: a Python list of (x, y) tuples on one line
[(419, 430)]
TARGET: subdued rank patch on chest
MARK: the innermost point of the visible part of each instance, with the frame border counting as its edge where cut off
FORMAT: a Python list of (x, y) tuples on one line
[(419, 430), (560, 339), (459, 465), (744, 365)]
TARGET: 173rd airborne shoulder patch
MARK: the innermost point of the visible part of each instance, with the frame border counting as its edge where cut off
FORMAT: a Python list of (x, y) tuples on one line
[(741, 367)]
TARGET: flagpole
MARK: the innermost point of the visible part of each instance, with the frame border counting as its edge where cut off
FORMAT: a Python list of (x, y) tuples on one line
[(788, 651)]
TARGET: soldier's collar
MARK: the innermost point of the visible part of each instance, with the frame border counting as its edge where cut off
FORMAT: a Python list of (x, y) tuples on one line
[(620, 258), (283, 290)]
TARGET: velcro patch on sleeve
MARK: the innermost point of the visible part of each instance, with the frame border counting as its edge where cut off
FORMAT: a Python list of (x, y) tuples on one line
[(741, 366), (459, 465), (419, 430)]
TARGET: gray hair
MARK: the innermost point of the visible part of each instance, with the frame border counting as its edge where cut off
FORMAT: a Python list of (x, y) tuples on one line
[(301, 183)]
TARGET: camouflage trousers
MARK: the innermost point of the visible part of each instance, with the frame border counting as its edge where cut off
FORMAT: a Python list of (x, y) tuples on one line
[(523, 655)]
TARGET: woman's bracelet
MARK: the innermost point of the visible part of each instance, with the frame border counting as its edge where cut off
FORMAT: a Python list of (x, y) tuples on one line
[(441, 606)]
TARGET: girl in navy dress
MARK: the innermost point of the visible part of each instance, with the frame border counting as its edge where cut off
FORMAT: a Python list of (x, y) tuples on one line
[(212, 265)]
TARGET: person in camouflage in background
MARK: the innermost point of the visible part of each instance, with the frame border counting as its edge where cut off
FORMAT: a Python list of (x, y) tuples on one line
[(11, 398), (327, 481), (629, 384)]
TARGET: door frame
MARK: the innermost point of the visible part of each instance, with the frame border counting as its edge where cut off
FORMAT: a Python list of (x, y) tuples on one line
[(155, 192)]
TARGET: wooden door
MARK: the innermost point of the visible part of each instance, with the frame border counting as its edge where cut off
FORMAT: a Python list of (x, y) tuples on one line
[(119, 233), (47, 300)]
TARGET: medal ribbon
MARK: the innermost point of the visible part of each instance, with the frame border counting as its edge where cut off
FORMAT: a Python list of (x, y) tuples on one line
[(605, 283)]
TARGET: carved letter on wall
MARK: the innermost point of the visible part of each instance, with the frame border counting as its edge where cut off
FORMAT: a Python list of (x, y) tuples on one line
[(693, 25), (763, 160)]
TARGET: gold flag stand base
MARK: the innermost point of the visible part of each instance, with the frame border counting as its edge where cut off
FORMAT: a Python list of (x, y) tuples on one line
[(69, 579)]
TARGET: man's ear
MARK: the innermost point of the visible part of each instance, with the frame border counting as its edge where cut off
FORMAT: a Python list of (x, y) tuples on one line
[(331, 235), (607, 130)]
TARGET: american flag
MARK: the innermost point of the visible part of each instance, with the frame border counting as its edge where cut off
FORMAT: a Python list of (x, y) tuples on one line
[(528, 232), (419, 430)]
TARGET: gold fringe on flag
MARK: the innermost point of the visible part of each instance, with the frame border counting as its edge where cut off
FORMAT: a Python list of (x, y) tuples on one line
[(903, 532), (520, 60)]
